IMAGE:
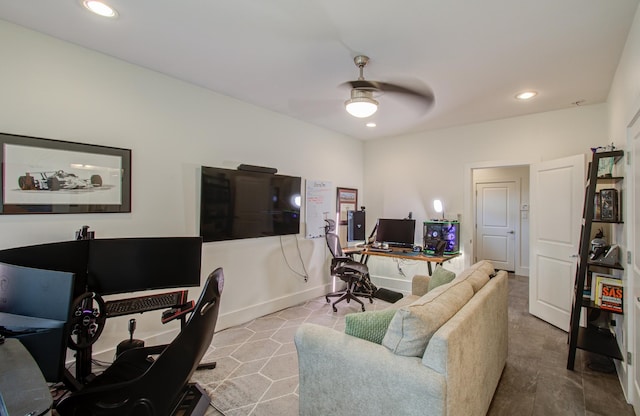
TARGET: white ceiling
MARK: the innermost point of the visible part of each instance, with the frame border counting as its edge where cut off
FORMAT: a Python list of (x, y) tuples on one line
[(291, 56)]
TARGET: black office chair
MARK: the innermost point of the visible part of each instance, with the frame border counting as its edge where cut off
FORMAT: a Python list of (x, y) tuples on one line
[(353, 273), (136, 384)]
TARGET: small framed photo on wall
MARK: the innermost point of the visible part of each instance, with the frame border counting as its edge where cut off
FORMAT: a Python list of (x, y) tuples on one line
[(346, 200)]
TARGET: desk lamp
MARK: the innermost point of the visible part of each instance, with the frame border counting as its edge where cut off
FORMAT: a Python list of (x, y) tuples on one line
[(437, 205)]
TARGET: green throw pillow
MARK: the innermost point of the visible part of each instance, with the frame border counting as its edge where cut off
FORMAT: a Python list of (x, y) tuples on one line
[(370, 326), (440, 276)]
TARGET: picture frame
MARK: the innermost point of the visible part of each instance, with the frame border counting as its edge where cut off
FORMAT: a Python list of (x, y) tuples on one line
[(609, 205), (47, 176), (346, 200)]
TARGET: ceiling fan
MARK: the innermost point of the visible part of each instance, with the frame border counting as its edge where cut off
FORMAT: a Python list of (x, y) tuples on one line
[(362, 103)]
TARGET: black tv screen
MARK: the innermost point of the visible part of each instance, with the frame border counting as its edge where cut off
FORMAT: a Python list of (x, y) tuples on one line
[(237, 204)]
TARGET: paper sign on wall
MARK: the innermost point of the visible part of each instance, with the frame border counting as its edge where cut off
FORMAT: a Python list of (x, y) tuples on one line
[(318, 207)]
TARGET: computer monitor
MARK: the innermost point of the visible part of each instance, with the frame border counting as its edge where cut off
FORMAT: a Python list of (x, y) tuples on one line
[(117, 265), (35, 306), (122, 265), (396, 232), (64, 256)]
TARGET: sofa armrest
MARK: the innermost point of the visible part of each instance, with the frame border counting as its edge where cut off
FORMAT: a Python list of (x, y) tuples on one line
[(420, 284), (472, 349), (340, 374)]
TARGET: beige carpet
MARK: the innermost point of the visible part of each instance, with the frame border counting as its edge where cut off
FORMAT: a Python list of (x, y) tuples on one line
[(257, 363)]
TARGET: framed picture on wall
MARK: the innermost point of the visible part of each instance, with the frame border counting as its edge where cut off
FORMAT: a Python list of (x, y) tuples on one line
[(346, 200), (45, 176)]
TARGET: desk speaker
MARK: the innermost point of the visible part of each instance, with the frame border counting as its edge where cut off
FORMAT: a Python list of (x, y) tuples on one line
[(355, 226)]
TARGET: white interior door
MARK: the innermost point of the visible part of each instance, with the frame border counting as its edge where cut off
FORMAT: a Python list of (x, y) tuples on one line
[(557, 199), (497, 212), (633, 313)]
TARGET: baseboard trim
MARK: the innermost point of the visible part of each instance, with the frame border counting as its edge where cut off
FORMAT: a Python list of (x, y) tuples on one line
[(386, 282), (240, 316)]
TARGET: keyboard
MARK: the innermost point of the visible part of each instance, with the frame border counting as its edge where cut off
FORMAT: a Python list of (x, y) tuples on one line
[(145, 303), (379, 249)]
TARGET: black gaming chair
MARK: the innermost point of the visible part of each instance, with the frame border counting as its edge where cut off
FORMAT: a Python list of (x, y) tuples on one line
[(138, 385), (353, 273)]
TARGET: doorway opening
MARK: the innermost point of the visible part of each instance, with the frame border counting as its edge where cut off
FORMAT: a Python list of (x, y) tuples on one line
[(500, 213)]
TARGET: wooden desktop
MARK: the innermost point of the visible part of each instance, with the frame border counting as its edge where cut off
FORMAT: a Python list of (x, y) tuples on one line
[(399, 253)]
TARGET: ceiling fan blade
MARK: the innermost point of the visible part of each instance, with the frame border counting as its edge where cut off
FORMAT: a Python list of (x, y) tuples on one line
[(425, 94)]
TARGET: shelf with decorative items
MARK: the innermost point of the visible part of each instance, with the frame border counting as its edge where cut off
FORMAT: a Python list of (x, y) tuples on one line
[(597, 289)]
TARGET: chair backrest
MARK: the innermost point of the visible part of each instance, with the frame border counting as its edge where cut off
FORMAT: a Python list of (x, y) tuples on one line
[(333, 242), (174, 367)]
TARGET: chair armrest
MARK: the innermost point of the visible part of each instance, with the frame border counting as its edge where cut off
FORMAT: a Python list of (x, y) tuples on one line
[(335, 368), (420, 284), (346, 264), (343, 259)]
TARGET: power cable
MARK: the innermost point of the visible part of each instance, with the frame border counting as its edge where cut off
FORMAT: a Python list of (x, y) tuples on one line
[(306, 274)]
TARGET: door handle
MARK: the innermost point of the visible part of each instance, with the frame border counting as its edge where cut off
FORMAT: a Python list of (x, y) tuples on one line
[(511, 232)]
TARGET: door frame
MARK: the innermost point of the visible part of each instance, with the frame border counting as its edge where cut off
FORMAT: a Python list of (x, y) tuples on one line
[(468, 234), (627, 373)]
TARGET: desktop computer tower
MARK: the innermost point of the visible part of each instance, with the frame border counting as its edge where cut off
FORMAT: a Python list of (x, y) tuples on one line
[(355, 226), (447, 230)]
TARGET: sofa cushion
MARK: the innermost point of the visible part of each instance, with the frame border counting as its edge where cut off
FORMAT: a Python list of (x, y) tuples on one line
[(413, 326), (371, 325), (440, 277), (477, 275), (420, 285), (485, 266)]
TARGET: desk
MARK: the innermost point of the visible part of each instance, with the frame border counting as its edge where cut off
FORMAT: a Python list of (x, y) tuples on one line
[(405, 254), (23, 389)]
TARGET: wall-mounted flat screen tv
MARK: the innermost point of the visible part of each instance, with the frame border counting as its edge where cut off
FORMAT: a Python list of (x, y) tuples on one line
[(237, 204)]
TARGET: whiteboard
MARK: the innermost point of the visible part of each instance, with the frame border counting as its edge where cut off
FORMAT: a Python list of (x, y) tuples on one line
[(318, 207)]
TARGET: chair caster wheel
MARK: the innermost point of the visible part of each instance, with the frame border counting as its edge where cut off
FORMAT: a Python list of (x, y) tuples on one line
[(348, 300), (335, 309), (363, 308), (327, 300), (370, 300)]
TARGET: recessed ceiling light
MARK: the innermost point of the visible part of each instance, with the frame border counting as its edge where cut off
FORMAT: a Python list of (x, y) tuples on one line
[(100, 8), (526, 95), (371, 124)]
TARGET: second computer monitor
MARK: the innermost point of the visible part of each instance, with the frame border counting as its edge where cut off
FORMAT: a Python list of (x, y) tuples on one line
[(396, 232), (35, 306)]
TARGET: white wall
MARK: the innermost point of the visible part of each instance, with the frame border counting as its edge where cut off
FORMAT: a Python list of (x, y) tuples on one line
[(438, 164), (57, 90)]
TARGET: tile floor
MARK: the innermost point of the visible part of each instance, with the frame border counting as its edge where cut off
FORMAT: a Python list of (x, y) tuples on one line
[(257, 365)]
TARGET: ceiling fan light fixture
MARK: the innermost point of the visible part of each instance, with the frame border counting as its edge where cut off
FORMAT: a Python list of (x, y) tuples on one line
[(361, 104)]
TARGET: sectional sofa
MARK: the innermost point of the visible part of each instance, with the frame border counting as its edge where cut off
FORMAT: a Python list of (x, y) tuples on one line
[(442, 354)]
